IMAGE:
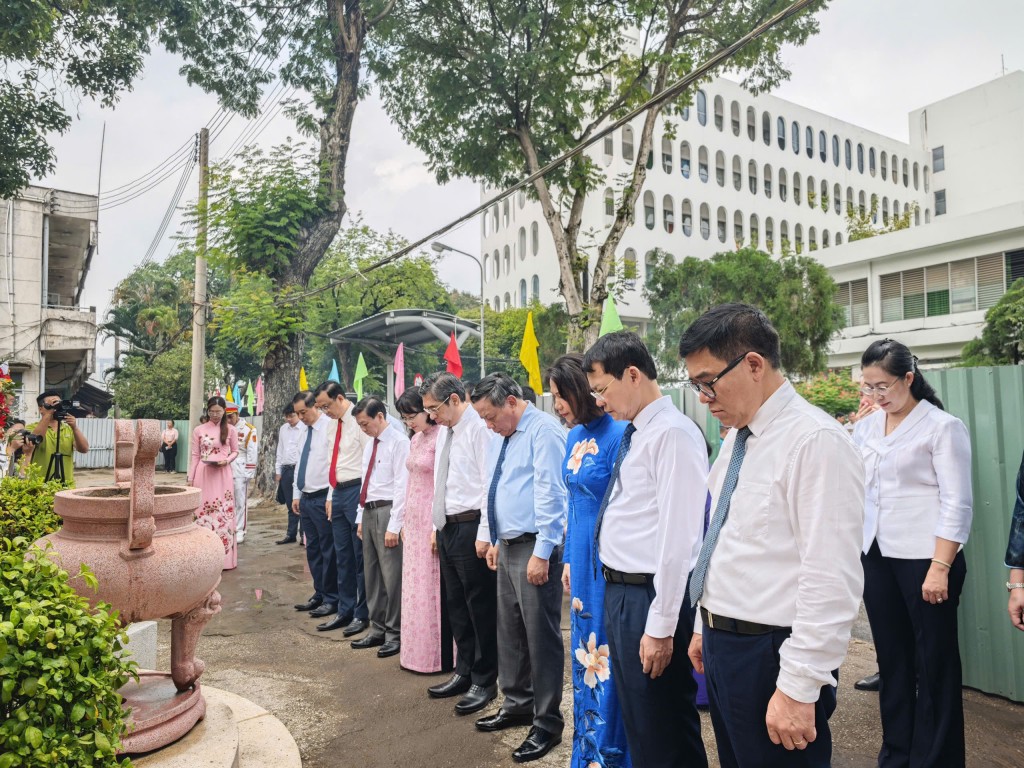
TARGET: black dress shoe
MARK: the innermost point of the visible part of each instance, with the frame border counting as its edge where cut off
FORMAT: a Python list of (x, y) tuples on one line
[(869, 683), (327, 609), (390, 648), (336, 623), (309, 605), (537, 744), (476, 698), (286, 540), (502, 720), (355, 627), (370, 641), (453, 686)]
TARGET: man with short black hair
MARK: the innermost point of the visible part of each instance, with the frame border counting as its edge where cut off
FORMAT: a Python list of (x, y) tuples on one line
[(309, 501), (289, 442), (788, 499), (345, 473), (647, 536), (525, 511), (379, 524), (61, 438), (461, 479)]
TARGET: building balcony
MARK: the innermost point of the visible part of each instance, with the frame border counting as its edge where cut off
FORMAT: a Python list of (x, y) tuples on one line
[(68, 329)]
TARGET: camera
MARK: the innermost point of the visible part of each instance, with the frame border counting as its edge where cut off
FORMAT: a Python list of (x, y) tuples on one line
[(63, 409), (28, 437)]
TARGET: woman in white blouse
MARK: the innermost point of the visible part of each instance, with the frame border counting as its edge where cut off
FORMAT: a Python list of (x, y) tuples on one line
[(918, 509)]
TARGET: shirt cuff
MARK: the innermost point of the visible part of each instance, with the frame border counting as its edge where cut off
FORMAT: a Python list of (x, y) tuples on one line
[(394, 526), (359, 515), (543, 549), (802, 689), (659, 626)]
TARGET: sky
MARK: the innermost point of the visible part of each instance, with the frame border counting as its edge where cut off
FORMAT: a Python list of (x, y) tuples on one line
[(872, 63)]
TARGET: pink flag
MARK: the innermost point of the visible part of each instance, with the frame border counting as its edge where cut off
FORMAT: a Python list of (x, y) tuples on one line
[(400, 371), (259, 395)]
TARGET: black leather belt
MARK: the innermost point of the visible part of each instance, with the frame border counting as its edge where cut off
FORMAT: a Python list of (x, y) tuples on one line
[(287, 466), (347, 484), (736, 626), (618, 577), (471, 516), (315, 494), (377, 503), (522, 539)]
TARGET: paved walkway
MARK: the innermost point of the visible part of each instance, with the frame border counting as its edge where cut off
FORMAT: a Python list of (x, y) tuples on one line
[(347, 708)]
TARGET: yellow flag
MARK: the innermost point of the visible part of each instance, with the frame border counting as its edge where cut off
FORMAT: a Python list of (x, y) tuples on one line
[(303, 384), (528, 355), (227, 395)]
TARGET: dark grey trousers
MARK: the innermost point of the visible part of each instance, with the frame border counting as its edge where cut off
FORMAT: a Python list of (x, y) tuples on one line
[(531, 654), (382, 569)]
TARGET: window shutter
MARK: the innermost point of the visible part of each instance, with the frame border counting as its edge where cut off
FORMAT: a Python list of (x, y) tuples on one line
[(892, 299), (990, 280)]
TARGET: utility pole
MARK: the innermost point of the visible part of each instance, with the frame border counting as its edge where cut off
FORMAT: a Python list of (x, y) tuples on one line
[(197, 395), (117, 364)]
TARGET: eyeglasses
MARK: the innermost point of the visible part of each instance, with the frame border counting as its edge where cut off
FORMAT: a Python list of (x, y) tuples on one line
[(707, 388), (432, 409), (878, 391), (408, 417), (598, 394)]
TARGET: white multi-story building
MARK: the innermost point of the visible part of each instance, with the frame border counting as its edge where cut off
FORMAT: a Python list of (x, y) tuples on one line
[(48, 338), (740, 169)]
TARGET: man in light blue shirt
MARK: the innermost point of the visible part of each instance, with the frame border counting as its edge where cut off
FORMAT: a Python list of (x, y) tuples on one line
[(524, 522)]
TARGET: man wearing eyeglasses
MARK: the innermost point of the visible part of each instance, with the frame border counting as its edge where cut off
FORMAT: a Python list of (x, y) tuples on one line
[(778, 579), (461, 478), (647, 536)]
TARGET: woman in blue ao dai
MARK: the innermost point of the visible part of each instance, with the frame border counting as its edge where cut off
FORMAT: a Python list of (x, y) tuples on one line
[(599, 740)]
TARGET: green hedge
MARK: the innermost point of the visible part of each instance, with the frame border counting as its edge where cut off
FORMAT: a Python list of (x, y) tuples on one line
[(26, 508)]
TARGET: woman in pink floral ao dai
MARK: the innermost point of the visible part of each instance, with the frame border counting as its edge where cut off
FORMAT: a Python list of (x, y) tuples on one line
[(214, 447)]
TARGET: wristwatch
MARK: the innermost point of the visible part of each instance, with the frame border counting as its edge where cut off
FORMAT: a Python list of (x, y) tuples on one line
[(1012, 585)]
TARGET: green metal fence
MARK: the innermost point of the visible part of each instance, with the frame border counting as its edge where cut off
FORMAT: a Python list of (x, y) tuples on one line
[(990, 401)]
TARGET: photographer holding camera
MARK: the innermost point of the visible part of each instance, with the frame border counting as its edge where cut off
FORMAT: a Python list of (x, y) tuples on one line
[(61, 437)]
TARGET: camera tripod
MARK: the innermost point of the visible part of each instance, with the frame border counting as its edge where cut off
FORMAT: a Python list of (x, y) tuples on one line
[(55, 469)]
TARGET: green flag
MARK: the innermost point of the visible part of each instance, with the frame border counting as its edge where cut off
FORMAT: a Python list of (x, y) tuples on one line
[(609, 317), (357, 380)]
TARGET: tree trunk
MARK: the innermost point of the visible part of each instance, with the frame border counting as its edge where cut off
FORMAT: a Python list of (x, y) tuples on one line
[(280, 382)]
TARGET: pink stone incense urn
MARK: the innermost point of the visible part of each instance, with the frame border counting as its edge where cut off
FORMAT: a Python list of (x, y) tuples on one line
[(152, 562)]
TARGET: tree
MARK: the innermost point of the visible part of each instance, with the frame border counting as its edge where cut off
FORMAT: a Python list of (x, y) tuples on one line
[(1002, 338), (493, 92), (861, 223), (157, 387), (836, 394), (795, 292)]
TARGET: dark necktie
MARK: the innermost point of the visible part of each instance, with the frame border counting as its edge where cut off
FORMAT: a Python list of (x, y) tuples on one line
[(439, 512), (369, 471), (627, 440), (732, 476), (304, 459), (492, 494)]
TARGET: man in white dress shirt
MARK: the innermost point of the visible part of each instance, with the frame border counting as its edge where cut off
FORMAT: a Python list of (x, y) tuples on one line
[(461, 479), (290, 437), (779, 578), (345, 474), (648, 534), (379, 524), (309, 501)]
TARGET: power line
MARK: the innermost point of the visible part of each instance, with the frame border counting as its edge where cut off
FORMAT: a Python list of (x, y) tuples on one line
[(169, 213)]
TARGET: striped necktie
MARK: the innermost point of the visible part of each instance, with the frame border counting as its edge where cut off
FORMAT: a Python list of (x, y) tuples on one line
[(732, 476)]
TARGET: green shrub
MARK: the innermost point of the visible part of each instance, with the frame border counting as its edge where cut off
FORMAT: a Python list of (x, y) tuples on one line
[(26, 508), (59, 667), (833, 393)]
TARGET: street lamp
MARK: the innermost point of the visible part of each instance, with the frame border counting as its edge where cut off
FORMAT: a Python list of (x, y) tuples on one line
[(439, 247)]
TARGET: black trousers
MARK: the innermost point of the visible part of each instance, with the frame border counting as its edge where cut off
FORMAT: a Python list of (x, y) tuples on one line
[(920, 695), (471, 595), (348, 553), (741, 672), (320, 548), (662, 723), (284, 496), (170, 457)]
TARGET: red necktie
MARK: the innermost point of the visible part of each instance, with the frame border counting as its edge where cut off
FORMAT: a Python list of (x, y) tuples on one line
[(369, 471), (332, 475)]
